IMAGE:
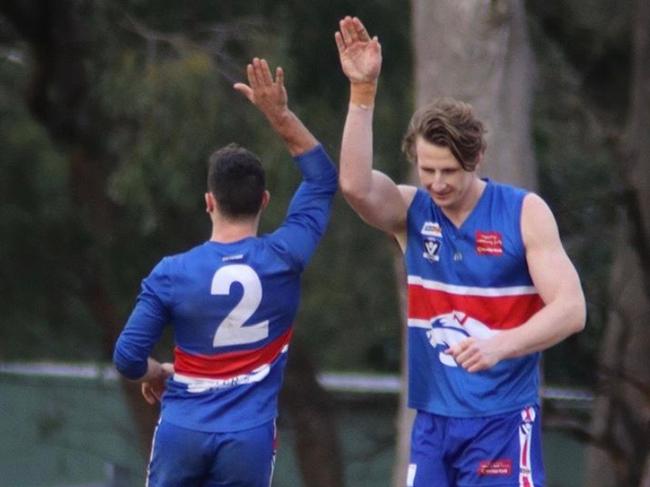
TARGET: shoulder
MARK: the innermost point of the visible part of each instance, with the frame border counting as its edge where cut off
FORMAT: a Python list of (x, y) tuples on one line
[(534, 206), (171, 263), (508, 191), (410, 193), (538, 225)]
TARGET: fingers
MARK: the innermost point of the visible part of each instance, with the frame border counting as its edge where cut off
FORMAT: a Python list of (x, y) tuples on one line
[(264, 73), (345, 30), (244, 89), (148, 394), (464, 354), (279, 76), (168, 367), (360, 30), (340, 44), (251, 73), (376, 45), (259, 76), (471, 355), (351, 30)]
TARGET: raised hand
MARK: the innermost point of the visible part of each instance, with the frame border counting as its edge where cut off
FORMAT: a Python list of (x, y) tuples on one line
[(267, 94), (360, 55)]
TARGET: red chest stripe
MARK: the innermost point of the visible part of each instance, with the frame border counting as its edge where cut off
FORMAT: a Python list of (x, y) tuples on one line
[(231, 364), (497, 312)]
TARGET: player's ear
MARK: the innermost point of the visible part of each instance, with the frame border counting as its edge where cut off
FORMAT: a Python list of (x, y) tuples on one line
[(210, 203), (266, 198)]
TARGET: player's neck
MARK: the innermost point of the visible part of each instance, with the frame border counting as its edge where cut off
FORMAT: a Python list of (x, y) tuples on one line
[(457, 214), (228, 231)]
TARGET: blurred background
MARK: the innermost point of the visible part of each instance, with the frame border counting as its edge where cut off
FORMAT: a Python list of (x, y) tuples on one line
[(108, 111)]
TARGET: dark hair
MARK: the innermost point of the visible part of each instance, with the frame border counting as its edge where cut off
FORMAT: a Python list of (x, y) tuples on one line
[(237, 181), (447, 122)]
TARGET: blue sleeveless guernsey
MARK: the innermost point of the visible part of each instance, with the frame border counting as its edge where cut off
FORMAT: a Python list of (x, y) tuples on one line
[(468, 281)]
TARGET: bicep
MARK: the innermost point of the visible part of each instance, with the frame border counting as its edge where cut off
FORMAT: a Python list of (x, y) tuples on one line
[(386, 204), (551, 270)]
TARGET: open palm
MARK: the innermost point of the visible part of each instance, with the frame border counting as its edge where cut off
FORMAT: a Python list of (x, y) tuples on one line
[(360, 55)]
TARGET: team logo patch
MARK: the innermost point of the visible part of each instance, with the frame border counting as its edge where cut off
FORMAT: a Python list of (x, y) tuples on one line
[(495, 467), (431, 229), (432, 249), (489, 243)]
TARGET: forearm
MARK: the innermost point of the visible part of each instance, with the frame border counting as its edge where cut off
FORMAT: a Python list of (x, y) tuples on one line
[(357, 143), (293, 132), (548, 327)]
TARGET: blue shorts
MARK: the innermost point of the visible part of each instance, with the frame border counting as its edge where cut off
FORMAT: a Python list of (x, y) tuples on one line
[(495, 451), (182, 457)]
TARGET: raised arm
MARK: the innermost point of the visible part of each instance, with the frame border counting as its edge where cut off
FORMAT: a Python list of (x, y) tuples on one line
[(372, 194), (270, 97), (309, 211), (556, 281)]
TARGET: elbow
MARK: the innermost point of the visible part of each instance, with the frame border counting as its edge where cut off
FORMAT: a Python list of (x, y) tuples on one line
[(128, 366), (354, 193), (578, 316)]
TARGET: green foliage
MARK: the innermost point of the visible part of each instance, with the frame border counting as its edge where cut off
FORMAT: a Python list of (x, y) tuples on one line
[(162, 80), (38, 287), (573, 135), (162, 77)]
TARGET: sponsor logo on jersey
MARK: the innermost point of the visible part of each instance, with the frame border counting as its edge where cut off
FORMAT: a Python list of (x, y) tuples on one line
[(431, 229), (489, 243), (502, 467), (451, 328), (198, 384)]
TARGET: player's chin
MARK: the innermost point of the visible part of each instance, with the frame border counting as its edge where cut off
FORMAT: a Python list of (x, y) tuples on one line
[(442, 200)]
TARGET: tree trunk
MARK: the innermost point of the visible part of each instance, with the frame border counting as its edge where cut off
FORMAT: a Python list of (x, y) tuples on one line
[(405, 415), (620, 455), (477, 51)]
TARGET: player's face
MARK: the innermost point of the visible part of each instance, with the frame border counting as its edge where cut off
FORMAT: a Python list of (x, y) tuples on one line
[(442, 175)]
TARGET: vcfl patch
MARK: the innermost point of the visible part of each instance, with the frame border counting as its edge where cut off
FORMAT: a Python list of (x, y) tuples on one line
[(489, 243), (432, 249)]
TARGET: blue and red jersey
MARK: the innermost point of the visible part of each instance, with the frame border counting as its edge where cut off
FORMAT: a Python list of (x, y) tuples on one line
[(468, 281), (232, 307)]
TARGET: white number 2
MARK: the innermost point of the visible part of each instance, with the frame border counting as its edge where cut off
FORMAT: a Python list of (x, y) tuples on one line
[(231, 331)]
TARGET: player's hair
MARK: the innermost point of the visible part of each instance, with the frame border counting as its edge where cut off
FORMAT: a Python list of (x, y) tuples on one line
[(237, 181), (447, 122)]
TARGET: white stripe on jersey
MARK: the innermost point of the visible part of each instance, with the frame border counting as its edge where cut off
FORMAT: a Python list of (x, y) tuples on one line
[(472, 290), (202, 384)]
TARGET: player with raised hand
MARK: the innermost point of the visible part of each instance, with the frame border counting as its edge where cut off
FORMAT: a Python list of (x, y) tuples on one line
[(489, 285), (231, 302)]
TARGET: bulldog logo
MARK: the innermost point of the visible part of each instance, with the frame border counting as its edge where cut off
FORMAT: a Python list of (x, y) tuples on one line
[(451, 328)]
